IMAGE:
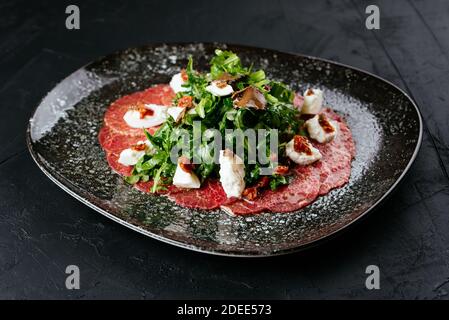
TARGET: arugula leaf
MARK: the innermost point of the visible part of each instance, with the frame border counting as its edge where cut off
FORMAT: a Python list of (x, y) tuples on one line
[(226, 62), (277, 180), (281, 92), (132, 179), (157, 178), (153, 140), (256, 76)]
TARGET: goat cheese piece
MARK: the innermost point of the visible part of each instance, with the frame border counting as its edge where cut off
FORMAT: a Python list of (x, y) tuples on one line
[(321, 129), (177, 82), (232, 173), (313, 101), (157, 115), (301, 151), (176, 113), (185, 178), (219, 88), (131, 156)]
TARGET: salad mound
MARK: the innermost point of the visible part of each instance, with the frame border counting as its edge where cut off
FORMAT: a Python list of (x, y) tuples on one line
[(256, 102), (228, 137)]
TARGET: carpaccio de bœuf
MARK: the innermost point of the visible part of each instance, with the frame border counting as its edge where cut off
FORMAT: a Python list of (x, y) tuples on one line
[(306, 180)]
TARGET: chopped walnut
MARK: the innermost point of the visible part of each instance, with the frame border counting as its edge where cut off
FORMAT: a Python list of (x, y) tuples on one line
[(227, 77)]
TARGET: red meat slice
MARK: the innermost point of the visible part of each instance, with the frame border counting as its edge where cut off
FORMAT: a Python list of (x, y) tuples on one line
[(335, 169), (113, 119), (210, 196), (146, 187), (116, 143), (300, 192), (118, 167), (337, 156)]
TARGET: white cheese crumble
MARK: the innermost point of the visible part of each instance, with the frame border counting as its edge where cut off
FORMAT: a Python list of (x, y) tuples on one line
[(176, 113), (130, 156), (302, 158), (232, 173), (313, 101), (216, 89), (185, 179), (317, 132), (134, 120), (176, 83)]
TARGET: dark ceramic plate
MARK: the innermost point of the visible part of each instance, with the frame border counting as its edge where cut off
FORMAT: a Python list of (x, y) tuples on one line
[(62, 138)]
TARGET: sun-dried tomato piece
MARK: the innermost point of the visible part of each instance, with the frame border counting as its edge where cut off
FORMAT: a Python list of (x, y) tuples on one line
[(250, 193), (325, 124), (301, 145), (143, 111), (184, 75), (309, 92), (185, 102), (139, 146), (185, 164), (263, 182)]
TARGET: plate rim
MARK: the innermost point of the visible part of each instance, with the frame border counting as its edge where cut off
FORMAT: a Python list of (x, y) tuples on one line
[(196, 248)]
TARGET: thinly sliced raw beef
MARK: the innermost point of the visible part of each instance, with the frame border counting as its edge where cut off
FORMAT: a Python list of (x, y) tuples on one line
[(210, 196), (113, 118), (337, 156), (116, 143), (116, 135), (146, 187), (300, 192), (345, 140), (335, 169), (118, 167)]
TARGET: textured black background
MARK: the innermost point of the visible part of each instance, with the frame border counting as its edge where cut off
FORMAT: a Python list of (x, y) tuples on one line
[(43, 229)]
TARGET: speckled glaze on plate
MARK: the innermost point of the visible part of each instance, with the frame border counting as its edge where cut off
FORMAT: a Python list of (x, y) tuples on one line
[(62, 138)]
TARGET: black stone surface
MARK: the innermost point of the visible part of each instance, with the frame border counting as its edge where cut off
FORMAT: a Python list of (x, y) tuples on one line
[(43, 229)]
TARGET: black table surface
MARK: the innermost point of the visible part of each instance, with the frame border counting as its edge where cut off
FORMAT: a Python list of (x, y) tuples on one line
[(43, 229)]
